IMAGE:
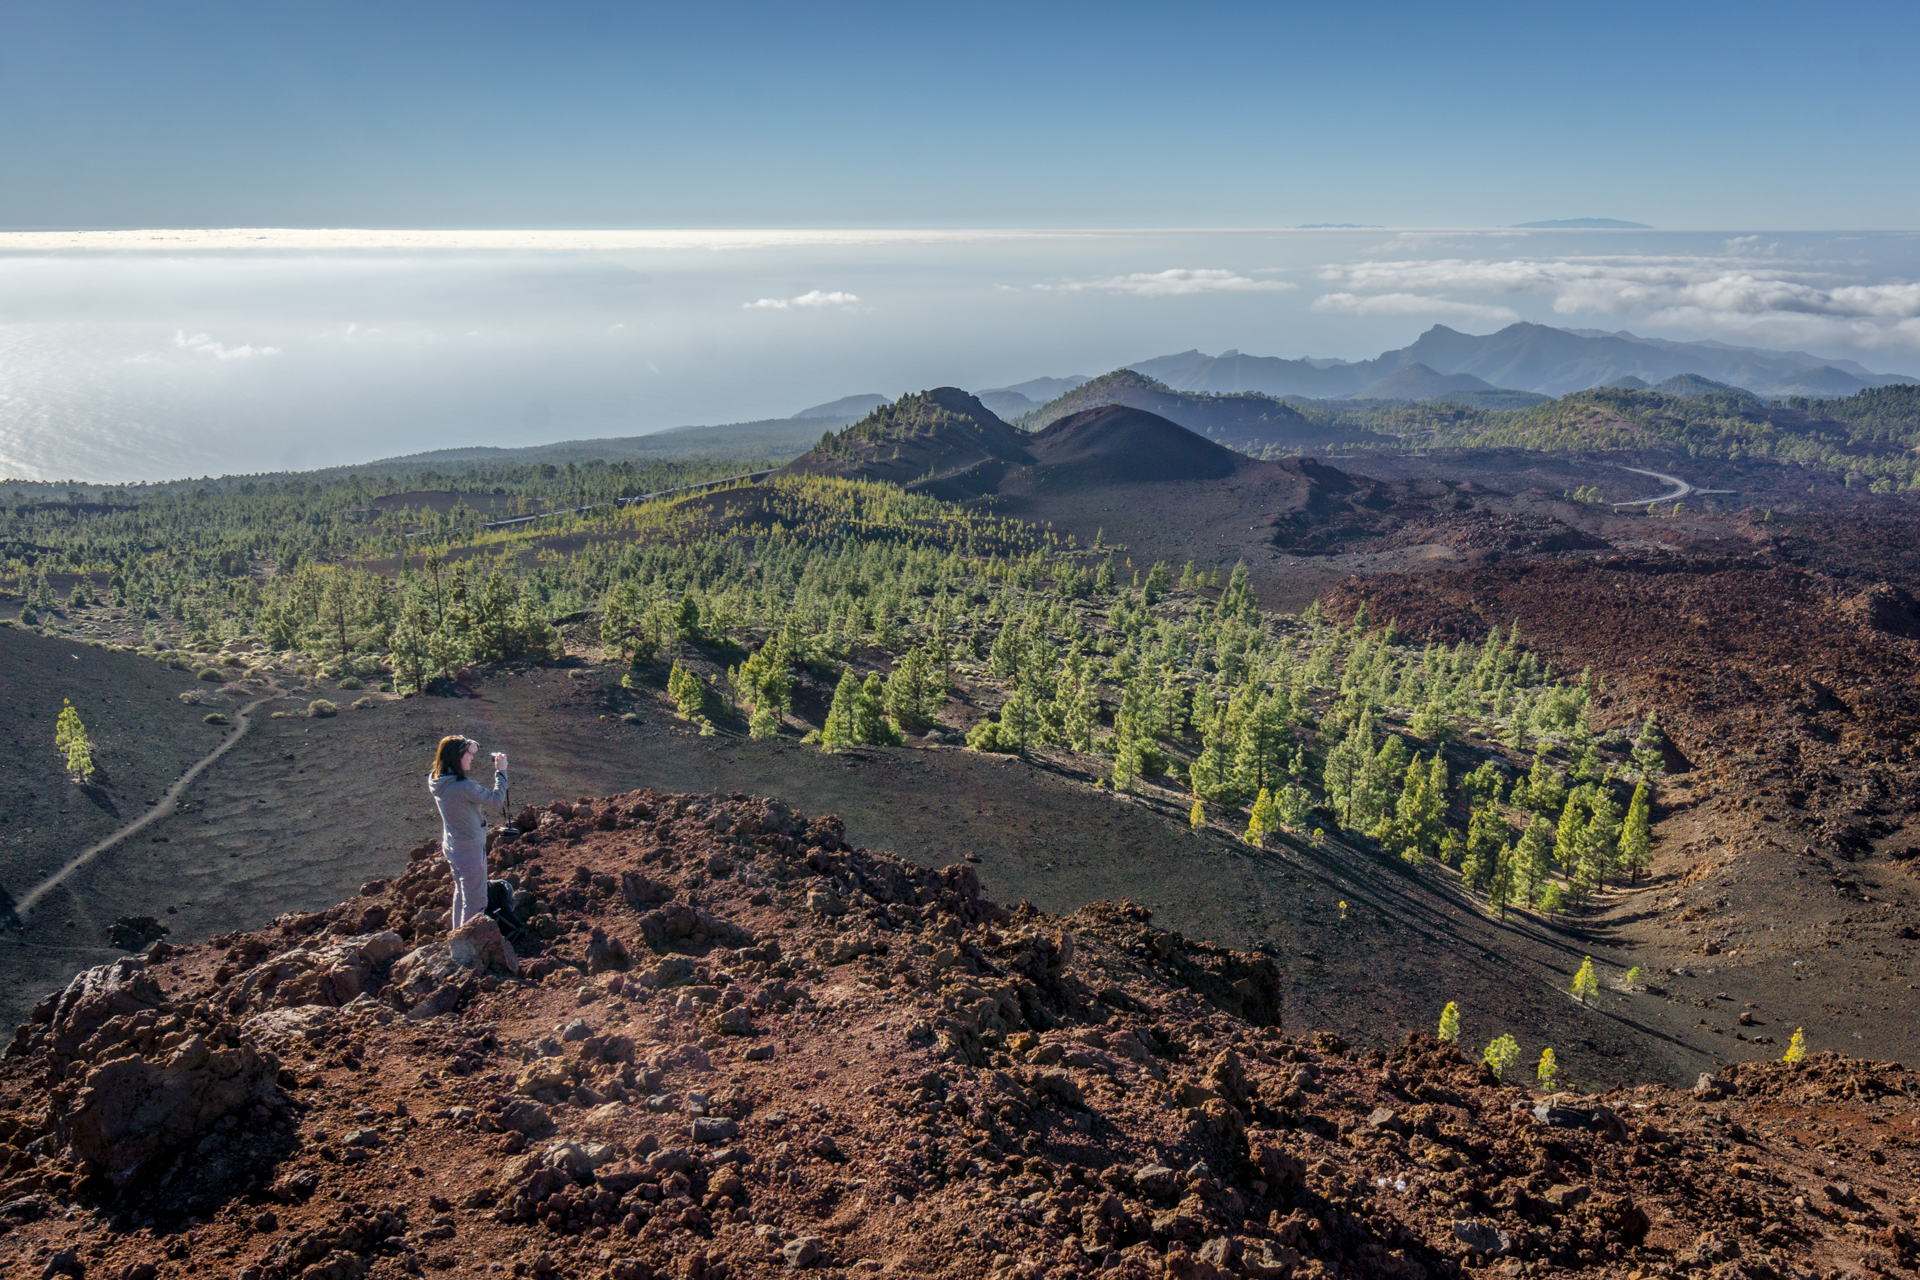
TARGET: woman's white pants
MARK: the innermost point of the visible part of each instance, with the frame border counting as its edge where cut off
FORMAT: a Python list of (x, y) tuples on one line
[(469, 883)]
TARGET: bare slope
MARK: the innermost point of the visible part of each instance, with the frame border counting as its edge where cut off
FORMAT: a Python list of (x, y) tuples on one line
[(739, 1047), (1117, 443), (143, 737)]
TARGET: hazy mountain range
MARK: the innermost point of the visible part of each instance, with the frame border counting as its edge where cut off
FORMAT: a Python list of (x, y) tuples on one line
[(1521, 357)]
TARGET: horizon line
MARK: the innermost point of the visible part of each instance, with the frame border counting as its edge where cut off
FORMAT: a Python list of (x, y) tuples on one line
[(135, 239)]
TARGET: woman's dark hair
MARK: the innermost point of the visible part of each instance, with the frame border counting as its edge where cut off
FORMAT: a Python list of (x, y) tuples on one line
[(446, 757)]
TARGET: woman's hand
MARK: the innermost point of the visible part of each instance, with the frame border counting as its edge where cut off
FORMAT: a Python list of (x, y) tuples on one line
[(499, 762)]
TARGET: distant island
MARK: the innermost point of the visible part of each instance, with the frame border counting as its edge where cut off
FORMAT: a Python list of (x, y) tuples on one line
[(1614, 223), (1339, 226)]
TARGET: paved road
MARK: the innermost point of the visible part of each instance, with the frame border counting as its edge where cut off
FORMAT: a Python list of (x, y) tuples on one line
[(1680, 488)]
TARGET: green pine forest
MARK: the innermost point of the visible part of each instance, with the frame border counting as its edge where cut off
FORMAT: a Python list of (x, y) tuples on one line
[(747, 604)]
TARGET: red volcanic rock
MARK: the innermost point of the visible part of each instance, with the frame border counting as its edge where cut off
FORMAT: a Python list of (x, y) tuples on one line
[(921, 1082)]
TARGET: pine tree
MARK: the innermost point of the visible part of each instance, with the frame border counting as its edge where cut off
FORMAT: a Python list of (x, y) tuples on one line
[(1019, 722), (1412, 812), (1546, 790), (1500, 891), (1486, 835), (1585, 985), (1636, 835), (1599, 840), (1500, 1054), (1293, 805), (1549, 1068), (70, 739), (1159, 578), (1566, 838), (1373, 811), (1209, 773), (1003, 660), (1796, 1047), (1533, 861), (1197, 816), (910, 693), (1450, 1022), (1485, 784), (1264, 820), (1648, 757), (838, 731), (688, 691), (1344, 774), (1430, 721), (870, 726), (1416, 813)]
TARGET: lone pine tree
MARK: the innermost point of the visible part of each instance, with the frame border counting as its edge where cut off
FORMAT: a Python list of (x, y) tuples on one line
[(1585, 985), (70, 739)]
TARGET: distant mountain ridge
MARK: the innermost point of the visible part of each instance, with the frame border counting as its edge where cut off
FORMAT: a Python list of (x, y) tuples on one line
[(1584, 224), (1521, 357), (1252, 424)]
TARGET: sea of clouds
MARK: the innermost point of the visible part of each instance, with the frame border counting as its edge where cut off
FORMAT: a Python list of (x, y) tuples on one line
[(150, 355)]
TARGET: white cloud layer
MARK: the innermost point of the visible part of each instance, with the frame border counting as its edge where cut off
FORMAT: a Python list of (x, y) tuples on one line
[(1411, 304), (205, 345), (812, 298), (1803, 303), (1173, 283)]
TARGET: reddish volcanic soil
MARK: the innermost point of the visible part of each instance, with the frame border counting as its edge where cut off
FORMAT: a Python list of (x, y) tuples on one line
[(750, 1049)]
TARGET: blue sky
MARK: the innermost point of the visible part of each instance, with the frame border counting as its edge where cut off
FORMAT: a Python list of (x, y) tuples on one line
[(1067, 188), (1743, 116)]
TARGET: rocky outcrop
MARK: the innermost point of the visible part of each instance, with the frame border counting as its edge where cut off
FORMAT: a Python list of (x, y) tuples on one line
[(329, 973), (135, 1076)]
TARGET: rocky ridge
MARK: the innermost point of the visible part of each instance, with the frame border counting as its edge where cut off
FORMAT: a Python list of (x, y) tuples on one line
[(731, 1045)]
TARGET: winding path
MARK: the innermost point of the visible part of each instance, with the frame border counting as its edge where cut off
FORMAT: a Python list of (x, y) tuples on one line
[(158, 811), (1681, 489)]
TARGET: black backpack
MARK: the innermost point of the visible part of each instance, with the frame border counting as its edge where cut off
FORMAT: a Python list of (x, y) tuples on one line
[(500, 907)]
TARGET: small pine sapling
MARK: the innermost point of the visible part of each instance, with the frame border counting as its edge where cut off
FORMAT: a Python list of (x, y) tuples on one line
[(70, 739), (1796, 1047), (1585, 985), (1548, 1068), (1500, 1055), (1450, 1022), (1264, 820), (1634, 976), (1197, 816)]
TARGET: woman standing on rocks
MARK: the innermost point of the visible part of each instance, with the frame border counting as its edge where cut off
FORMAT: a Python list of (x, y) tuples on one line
[(463, 821)]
